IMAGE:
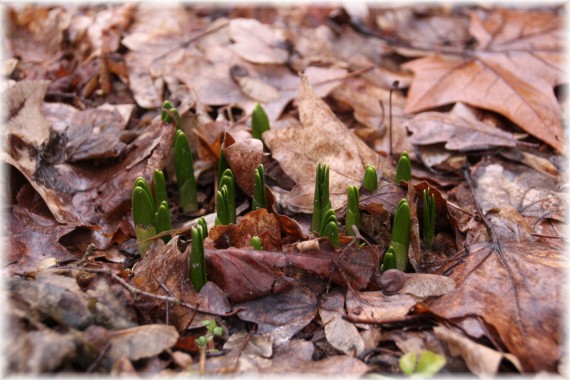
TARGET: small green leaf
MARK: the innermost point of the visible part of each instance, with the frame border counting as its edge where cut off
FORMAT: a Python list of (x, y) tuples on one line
[(165, 115), (159, 184), (259, 200), (163, 222), (259, 122), (331, 231), (370, 181), (389, 261), (408, 363), (218, 331), (201, 341), (429, 363), (404, 168), (256, 243)]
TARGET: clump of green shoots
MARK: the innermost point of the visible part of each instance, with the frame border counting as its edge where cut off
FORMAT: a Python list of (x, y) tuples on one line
[(258, 200), (427, 365), (184, 166), (197, 258), (226, 199), (256, 243), (400, 237), (429, 217), (370, 181), (222, 165), (324, 220), (259, 121), (168, 111), (143, 215), (352, 212), (404, 168)]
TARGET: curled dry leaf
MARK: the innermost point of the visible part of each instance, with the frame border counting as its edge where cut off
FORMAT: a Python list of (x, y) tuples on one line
[(340, 333), (458, 133), (281, 315), (322, 138), (481, 360), (516, 69), (134, 343), (376, 307), (422, 285), (243, 158)]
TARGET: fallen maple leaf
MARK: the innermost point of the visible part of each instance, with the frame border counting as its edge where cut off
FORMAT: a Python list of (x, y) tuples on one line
[(512, 72), (322, 138)]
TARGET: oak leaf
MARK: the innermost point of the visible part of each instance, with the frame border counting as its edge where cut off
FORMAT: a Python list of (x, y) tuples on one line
[(512, 71)]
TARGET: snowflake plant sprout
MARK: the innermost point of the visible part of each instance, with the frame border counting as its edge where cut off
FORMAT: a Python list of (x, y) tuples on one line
[(184, 166), (429, 217), (404, 168), (259, 121), (143, 215), (167, 111), (321, 202), (258, 200), (162, 220), (256, 243), (159, 185), (197, 260), (401, 235), (370, 181), (352, 212), (226, 199), (389, 261)]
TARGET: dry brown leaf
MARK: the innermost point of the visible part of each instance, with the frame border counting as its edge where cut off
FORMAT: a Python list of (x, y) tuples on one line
[(376, 307), (532, 193), (525, 311), (322, 138), (243, 157), (258, 43), (481, 360), (512, 72), (456, 132), (340, 333), (424, 285)]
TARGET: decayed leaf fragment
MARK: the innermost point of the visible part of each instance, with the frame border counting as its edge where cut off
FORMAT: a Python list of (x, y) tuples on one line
[(512, 72), (322, 138)]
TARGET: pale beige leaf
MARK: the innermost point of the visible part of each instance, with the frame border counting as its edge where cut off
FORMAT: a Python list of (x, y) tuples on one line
[(423, 285), (321, 138), (142, 341), (481, 360), (258, 43)]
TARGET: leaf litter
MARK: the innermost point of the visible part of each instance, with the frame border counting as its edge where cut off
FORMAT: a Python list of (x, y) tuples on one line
[(83, 94)]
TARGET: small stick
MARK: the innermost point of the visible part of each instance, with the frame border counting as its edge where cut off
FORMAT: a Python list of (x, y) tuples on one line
[(394, 87)]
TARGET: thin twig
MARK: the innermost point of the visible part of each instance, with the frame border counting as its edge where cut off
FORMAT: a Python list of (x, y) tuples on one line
[(394, 87), (100, 357)]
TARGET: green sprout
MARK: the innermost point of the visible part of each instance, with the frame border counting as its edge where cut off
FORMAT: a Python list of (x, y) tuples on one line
[(204, 225), (167, 111), (259, 121), (401, 235), (256, 243), (404, 168), (321, 203), (143, 215), (162, 220), (352, 212), (389, 261), (226, 199), (429, 217), (212, 330), (159, 184), (184, 165), (370, 180), (197, 259), (428, 364), (331, 231), (258, 200)]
